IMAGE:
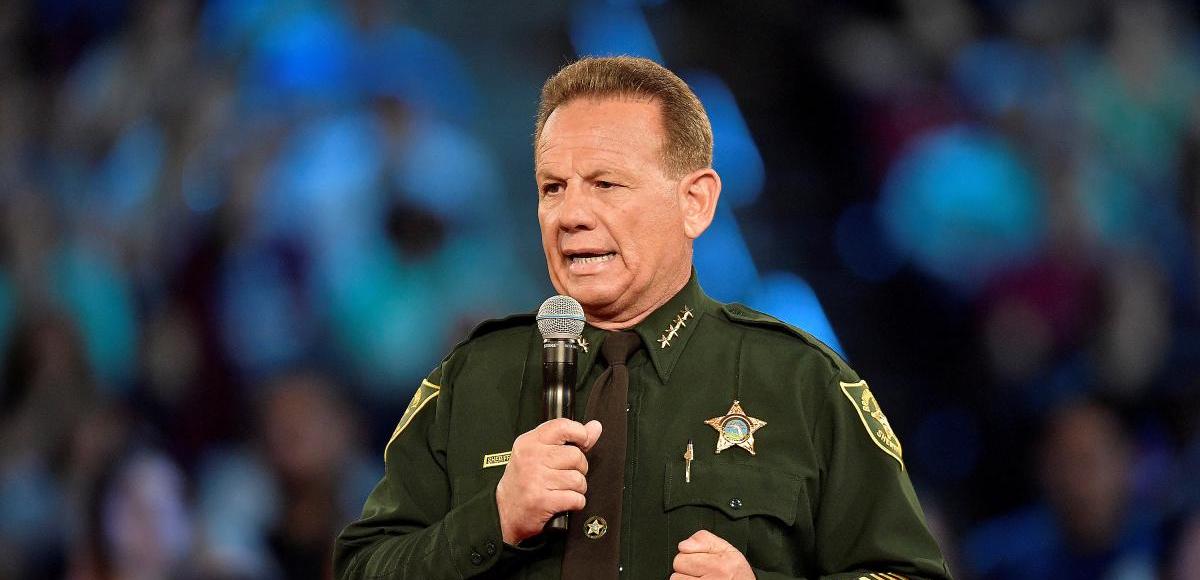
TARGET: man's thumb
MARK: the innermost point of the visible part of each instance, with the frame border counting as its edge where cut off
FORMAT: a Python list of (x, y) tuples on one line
[(593, 433)]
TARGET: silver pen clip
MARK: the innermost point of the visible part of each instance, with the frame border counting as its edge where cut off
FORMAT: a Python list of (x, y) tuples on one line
[(688, 455)]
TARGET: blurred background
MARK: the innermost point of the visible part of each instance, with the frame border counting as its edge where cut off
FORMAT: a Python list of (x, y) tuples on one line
[(237, 233)]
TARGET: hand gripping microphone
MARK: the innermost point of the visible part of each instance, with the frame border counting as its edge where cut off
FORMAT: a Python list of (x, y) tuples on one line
[(560, 320)]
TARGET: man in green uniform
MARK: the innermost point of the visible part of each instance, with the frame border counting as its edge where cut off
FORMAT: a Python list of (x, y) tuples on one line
[(728, 445)]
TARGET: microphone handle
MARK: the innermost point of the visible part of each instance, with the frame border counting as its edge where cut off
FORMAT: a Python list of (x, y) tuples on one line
[(558, 394)]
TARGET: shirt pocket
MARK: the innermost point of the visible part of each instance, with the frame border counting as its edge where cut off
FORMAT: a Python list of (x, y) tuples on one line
[(749, 505)]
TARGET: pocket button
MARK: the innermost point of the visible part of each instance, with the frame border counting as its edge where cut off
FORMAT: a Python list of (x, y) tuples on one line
[(735, 503)]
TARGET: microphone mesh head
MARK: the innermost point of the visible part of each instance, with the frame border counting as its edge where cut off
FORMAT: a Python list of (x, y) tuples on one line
[(560, 317)]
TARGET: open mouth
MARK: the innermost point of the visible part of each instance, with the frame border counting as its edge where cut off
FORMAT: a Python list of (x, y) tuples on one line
[(590, 258)]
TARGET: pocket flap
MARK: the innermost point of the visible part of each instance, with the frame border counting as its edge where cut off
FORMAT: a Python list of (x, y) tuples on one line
[(736, 489)]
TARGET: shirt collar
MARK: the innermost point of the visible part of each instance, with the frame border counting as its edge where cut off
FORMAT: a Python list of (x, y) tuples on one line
[(665, 332)]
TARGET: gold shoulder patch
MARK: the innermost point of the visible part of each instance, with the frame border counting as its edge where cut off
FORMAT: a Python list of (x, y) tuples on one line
[(425, 393), (873, 419)]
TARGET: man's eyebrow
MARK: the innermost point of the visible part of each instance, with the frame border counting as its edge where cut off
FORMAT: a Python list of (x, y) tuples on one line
[(547, 173), (603, 172), (544, 173)]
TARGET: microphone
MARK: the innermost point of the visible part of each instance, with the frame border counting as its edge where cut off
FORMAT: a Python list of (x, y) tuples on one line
[(560, 320)]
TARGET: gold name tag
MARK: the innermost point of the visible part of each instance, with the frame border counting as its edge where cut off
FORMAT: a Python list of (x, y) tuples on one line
[(496, 459)]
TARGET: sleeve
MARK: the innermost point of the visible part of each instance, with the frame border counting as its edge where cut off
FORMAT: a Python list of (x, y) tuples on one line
[(408, 528), (868, 522)]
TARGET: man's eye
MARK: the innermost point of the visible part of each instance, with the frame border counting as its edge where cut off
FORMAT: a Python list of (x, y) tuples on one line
[(605, 184), (551, 188)]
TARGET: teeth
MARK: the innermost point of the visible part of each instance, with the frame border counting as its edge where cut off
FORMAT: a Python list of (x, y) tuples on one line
[(604, 258)]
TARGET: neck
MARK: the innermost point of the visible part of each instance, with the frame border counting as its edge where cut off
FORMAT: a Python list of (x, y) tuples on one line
[(633, 316)]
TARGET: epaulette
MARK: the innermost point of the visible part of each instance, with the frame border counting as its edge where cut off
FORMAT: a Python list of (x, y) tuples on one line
[(740, 313), (495, 324)]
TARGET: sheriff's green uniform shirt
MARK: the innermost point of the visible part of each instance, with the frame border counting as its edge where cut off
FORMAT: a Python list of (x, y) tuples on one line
[(824, 495)]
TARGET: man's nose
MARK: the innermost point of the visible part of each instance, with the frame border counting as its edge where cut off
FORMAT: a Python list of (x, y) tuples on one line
[(576, 211)]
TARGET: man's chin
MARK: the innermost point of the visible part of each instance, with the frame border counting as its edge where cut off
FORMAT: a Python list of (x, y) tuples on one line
[(596, 299)]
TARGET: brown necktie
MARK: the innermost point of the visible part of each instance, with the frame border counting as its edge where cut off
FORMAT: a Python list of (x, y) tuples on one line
[(593, 548)]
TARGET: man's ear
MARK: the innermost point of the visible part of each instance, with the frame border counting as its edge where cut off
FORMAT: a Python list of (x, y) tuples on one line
[(698, 195)]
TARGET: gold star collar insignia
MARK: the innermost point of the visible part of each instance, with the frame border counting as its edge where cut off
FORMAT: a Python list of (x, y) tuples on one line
[(736, 428), (672, 331), (583, 343)]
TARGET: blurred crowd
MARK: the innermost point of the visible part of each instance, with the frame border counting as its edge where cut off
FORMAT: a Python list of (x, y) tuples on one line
[(1038, 163), (236, 234)]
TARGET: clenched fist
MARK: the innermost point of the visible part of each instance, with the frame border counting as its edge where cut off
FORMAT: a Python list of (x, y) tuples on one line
[(706, 555), (546, 475)]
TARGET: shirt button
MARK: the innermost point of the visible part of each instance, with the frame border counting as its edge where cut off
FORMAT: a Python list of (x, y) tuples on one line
[(476, 559), (735, 503), (491, 547)]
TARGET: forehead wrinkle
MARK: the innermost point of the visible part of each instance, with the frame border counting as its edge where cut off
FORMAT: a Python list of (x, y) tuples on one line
[(586, 160), (596, 137), (600, 138)]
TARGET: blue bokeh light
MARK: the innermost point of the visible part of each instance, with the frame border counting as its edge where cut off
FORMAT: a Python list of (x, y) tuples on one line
[(789, 298), (323, 185), (735, 156), (307, 58), (449, 172), (418, 68), (962, 204), (131, 172), (100, 298), (603, 29), (723, 262)]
